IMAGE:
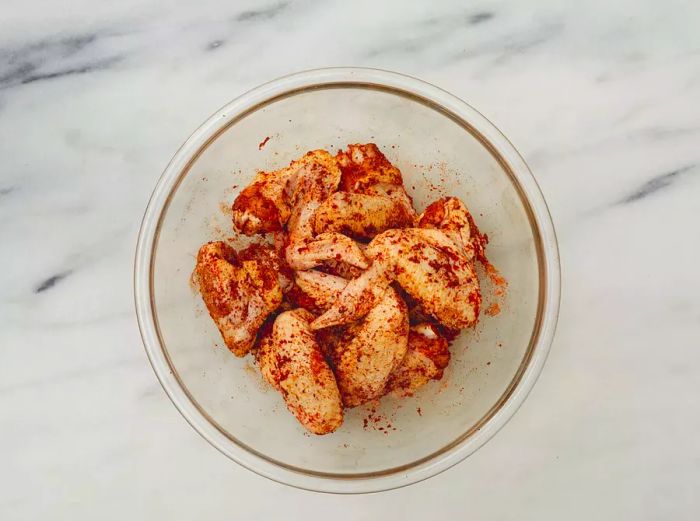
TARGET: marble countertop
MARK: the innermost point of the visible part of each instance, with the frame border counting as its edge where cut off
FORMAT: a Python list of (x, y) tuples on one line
[(602, 99)]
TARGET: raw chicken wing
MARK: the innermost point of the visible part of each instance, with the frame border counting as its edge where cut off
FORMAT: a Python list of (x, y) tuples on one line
[(290, 359), (366, 352), (450, 215), (317, 178), (240, 289), (263, 206), (427, 264), (372, 197)]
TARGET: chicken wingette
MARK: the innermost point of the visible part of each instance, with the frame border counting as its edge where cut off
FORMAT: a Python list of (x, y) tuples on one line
[(433, 264)]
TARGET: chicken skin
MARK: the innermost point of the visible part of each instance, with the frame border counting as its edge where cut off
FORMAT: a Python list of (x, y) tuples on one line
[(240, 289), (290, 359), (451, 216), (267, 203), (367, 352), (364, 353), (263, 206), (433, 264), (315, 181), (427, 357), (371, 199), (427, 265), (265, 354), (290, 197), (313, 251), (320, 289)]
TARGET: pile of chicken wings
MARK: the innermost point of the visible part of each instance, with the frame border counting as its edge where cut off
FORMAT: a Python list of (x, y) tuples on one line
[(356, 296)]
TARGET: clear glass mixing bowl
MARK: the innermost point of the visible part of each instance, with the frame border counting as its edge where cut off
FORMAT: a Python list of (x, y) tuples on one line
[(442, 146)]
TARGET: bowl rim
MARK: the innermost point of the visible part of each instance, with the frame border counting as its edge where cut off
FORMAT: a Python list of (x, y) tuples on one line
[(501, 149)]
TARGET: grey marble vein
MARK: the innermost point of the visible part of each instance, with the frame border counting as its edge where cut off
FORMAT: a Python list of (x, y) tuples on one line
[(503, 48), (656, 184), (481, 17), (51, 46), (51, 281), (264, 13), (51, 59), (429, 33), (92, 67)]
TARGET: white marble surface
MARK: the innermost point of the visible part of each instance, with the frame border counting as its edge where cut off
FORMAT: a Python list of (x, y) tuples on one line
[(603, 100)]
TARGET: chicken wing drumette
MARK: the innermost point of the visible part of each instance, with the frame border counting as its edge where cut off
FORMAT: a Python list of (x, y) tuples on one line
[(291, 361)]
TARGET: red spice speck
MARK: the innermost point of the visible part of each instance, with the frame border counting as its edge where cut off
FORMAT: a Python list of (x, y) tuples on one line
[(263, 143), (493, 310)]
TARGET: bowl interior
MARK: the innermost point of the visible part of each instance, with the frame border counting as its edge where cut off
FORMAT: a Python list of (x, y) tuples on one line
[(438, 156)]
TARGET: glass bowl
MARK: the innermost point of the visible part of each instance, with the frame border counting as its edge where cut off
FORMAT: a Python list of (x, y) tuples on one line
[(442, 146)]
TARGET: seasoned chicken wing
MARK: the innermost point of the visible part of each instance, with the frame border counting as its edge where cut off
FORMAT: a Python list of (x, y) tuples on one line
[(450, 215), (427, 265), (291, 360), (434, 264), (427, 357), (315, 181), (240, 289), (265, 353), (372, 197), (311, 252), (317, 176), (275, 197), (290, 197), (366, 352), (263, 206), (360, 215)]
